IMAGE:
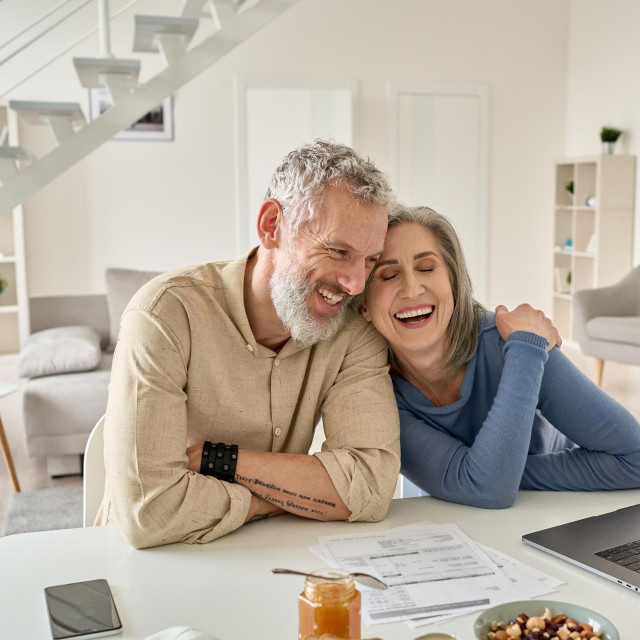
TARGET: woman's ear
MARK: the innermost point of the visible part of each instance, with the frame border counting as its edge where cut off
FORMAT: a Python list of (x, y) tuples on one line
[(365, 312)]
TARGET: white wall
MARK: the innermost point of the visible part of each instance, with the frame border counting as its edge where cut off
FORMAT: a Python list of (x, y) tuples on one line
[(160, 205), (603, 87)]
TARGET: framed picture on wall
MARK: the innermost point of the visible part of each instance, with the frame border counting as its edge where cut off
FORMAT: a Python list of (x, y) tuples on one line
[(157, 124)]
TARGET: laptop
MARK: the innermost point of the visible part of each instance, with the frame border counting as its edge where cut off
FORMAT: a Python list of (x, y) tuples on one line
[(608, 545)]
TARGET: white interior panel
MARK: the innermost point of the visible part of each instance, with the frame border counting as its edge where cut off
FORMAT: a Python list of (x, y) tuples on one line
[(279, 120), (440, 166)]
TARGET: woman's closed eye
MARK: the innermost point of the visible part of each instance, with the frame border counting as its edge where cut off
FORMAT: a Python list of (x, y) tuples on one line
[(386, 275)]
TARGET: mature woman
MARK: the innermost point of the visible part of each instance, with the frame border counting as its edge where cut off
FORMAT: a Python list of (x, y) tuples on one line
[(487, 404)]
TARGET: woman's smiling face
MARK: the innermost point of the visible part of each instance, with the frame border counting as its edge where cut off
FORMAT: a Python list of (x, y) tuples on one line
[(409, 299)]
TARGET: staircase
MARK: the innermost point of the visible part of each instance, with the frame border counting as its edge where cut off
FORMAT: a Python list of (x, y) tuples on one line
[(21, 174)]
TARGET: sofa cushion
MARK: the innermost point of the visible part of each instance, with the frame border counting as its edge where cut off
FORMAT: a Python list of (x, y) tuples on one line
[(59, 350), (615, 329), (60, 411), (121, 285)]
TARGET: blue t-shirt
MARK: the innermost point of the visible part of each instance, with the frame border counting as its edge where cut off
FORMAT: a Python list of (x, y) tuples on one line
[(520, 411)]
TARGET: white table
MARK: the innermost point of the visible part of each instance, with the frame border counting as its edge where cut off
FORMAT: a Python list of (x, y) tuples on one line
[(5, 390), (226, 589)]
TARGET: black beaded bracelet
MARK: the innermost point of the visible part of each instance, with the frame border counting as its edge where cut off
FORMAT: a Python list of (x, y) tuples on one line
[(219, 460)]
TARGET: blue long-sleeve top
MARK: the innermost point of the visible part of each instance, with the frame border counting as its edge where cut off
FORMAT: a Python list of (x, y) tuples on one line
[(525, 419)]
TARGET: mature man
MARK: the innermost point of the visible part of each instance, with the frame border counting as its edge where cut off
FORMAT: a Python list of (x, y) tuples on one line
[(236, 362)]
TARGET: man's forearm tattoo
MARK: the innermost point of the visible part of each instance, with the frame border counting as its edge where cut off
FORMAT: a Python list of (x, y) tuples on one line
[(312, 508)]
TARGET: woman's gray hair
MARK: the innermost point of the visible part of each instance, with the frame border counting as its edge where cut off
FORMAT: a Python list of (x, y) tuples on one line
[(300, 180), (464, 326)]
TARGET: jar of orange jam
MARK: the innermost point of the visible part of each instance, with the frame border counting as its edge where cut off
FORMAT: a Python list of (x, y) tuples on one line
[(329, 606)]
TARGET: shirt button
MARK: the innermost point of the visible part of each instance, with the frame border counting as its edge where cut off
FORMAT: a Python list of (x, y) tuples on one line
[(276, 362), (250, 348), (278, 431)]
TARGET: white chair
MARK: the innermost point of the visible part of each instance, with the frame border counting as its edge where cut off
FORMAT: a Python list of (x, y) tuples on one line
[(94, 474)]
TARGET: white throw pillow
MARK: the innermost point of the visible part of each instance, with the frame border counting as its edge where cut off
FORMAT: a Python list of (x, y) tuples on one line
[(59, 350)]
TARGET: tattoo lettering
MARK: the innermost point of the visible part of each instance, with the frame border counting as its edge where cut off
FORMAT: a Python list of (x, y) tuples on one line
[(257, 481), (273, 500), (266, 485), (321, 501), (286, 492), (293, 505)]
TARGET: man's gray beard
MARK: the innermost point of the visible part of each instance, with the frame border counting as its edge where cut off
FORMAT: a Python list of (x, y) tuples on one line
[(290, 294)]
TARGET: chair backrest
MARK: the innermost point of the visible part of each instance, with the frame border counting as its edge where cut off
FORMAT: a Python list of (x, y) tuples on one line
[(631, 285), (94, 474)]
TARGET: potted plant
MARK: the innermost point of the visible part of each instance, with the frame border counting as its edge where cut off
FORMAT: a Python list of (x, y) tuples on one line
[(3, 284), (609, 136)]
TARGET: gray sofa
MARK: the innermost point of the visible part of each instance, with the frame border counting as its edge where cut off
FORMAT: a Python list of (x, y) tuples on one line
[(61, 408), (606, 322)]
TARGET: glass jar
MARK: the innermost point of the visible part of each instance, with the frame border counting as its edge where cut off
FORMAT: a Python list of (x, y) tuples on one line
[(329, 606)]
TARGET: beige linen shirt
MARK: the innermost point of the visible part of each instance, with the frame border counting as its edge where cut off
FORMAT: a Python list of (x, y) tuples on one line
[(187, 368)]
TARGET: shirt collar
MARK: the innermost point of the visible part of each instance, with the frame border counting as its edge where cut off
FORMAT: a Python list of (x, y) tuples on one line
[(233, 281)]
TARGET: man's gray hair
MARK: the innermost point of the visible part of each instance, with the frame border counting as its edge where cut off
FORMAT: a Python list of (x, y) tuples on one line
[(464, 327), (305, 172)]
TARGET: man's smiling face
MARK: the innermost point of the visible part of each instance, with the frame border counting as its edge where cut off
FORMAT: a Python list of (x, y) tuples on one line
[(326, 263)]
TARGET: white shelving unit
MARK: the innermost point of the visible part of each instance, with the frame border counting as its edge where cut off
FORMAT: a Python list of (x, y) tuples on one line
[(14, 301), (593, 243)]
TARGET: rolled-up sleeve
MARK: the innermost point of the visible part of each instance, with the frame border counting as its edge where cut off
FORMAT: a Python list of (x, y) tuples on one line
[(155, 499), (361, 452)]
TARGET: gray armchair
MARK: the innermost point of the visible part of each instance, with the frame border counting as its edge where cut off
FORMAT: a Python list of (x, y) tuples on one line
[(606, 322)]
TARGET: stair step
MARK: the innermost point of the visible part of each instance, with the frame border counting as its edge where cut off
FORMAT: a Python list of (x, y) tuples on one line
[(163, 34), (15, 153), (117, 75), (148, 27), (32, 110), (60, 116)]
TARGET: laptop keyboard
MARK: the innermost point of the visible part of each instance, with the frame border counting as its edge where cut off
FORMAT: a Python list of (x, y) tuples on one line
[(626, 555)]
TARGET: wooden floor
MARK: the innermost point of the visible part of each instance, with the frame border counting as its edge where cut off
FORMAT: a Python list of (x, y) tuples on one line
[(621, 381)]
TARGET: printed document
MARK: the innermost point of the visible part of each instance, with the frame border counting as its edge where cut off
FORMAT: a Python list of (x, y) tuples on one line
[(432, 570)]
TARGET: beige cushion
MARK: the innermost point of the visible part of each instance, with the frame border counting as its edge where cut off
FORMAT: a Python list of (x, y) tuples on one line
[(121, 285), (59, 350), (615, 329)]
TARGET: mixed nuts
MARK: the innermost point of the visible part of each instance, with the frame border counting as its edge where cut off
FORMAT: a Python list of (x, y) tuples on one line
[(544, 627)]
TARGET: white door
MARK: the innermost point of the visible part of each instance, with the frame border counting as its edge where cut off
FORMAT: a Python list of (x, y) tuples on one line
[(274, 121), (439, 137)]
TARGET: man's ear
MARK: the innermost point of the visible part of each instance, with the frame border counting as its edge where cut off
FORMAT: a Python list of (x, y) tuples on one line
[(270, 223)]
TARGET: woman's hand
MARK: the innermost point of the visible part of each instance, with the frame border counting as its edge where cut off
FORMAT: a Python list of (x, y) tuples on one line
[(525, 318)]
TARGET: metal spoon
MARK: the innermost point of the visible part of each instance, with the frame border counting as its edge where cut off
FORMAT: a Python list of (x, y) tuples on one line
[(362, 578)]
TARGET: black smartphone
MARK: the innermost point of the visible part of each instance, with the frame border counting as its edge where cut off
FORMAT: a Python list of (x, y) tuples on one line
[(82, 610)]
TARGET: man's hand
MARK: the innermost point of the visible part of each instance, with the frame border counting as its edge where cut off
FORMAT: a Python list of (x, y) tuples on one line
[(525, 318), (259, 508), (194, 453)]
